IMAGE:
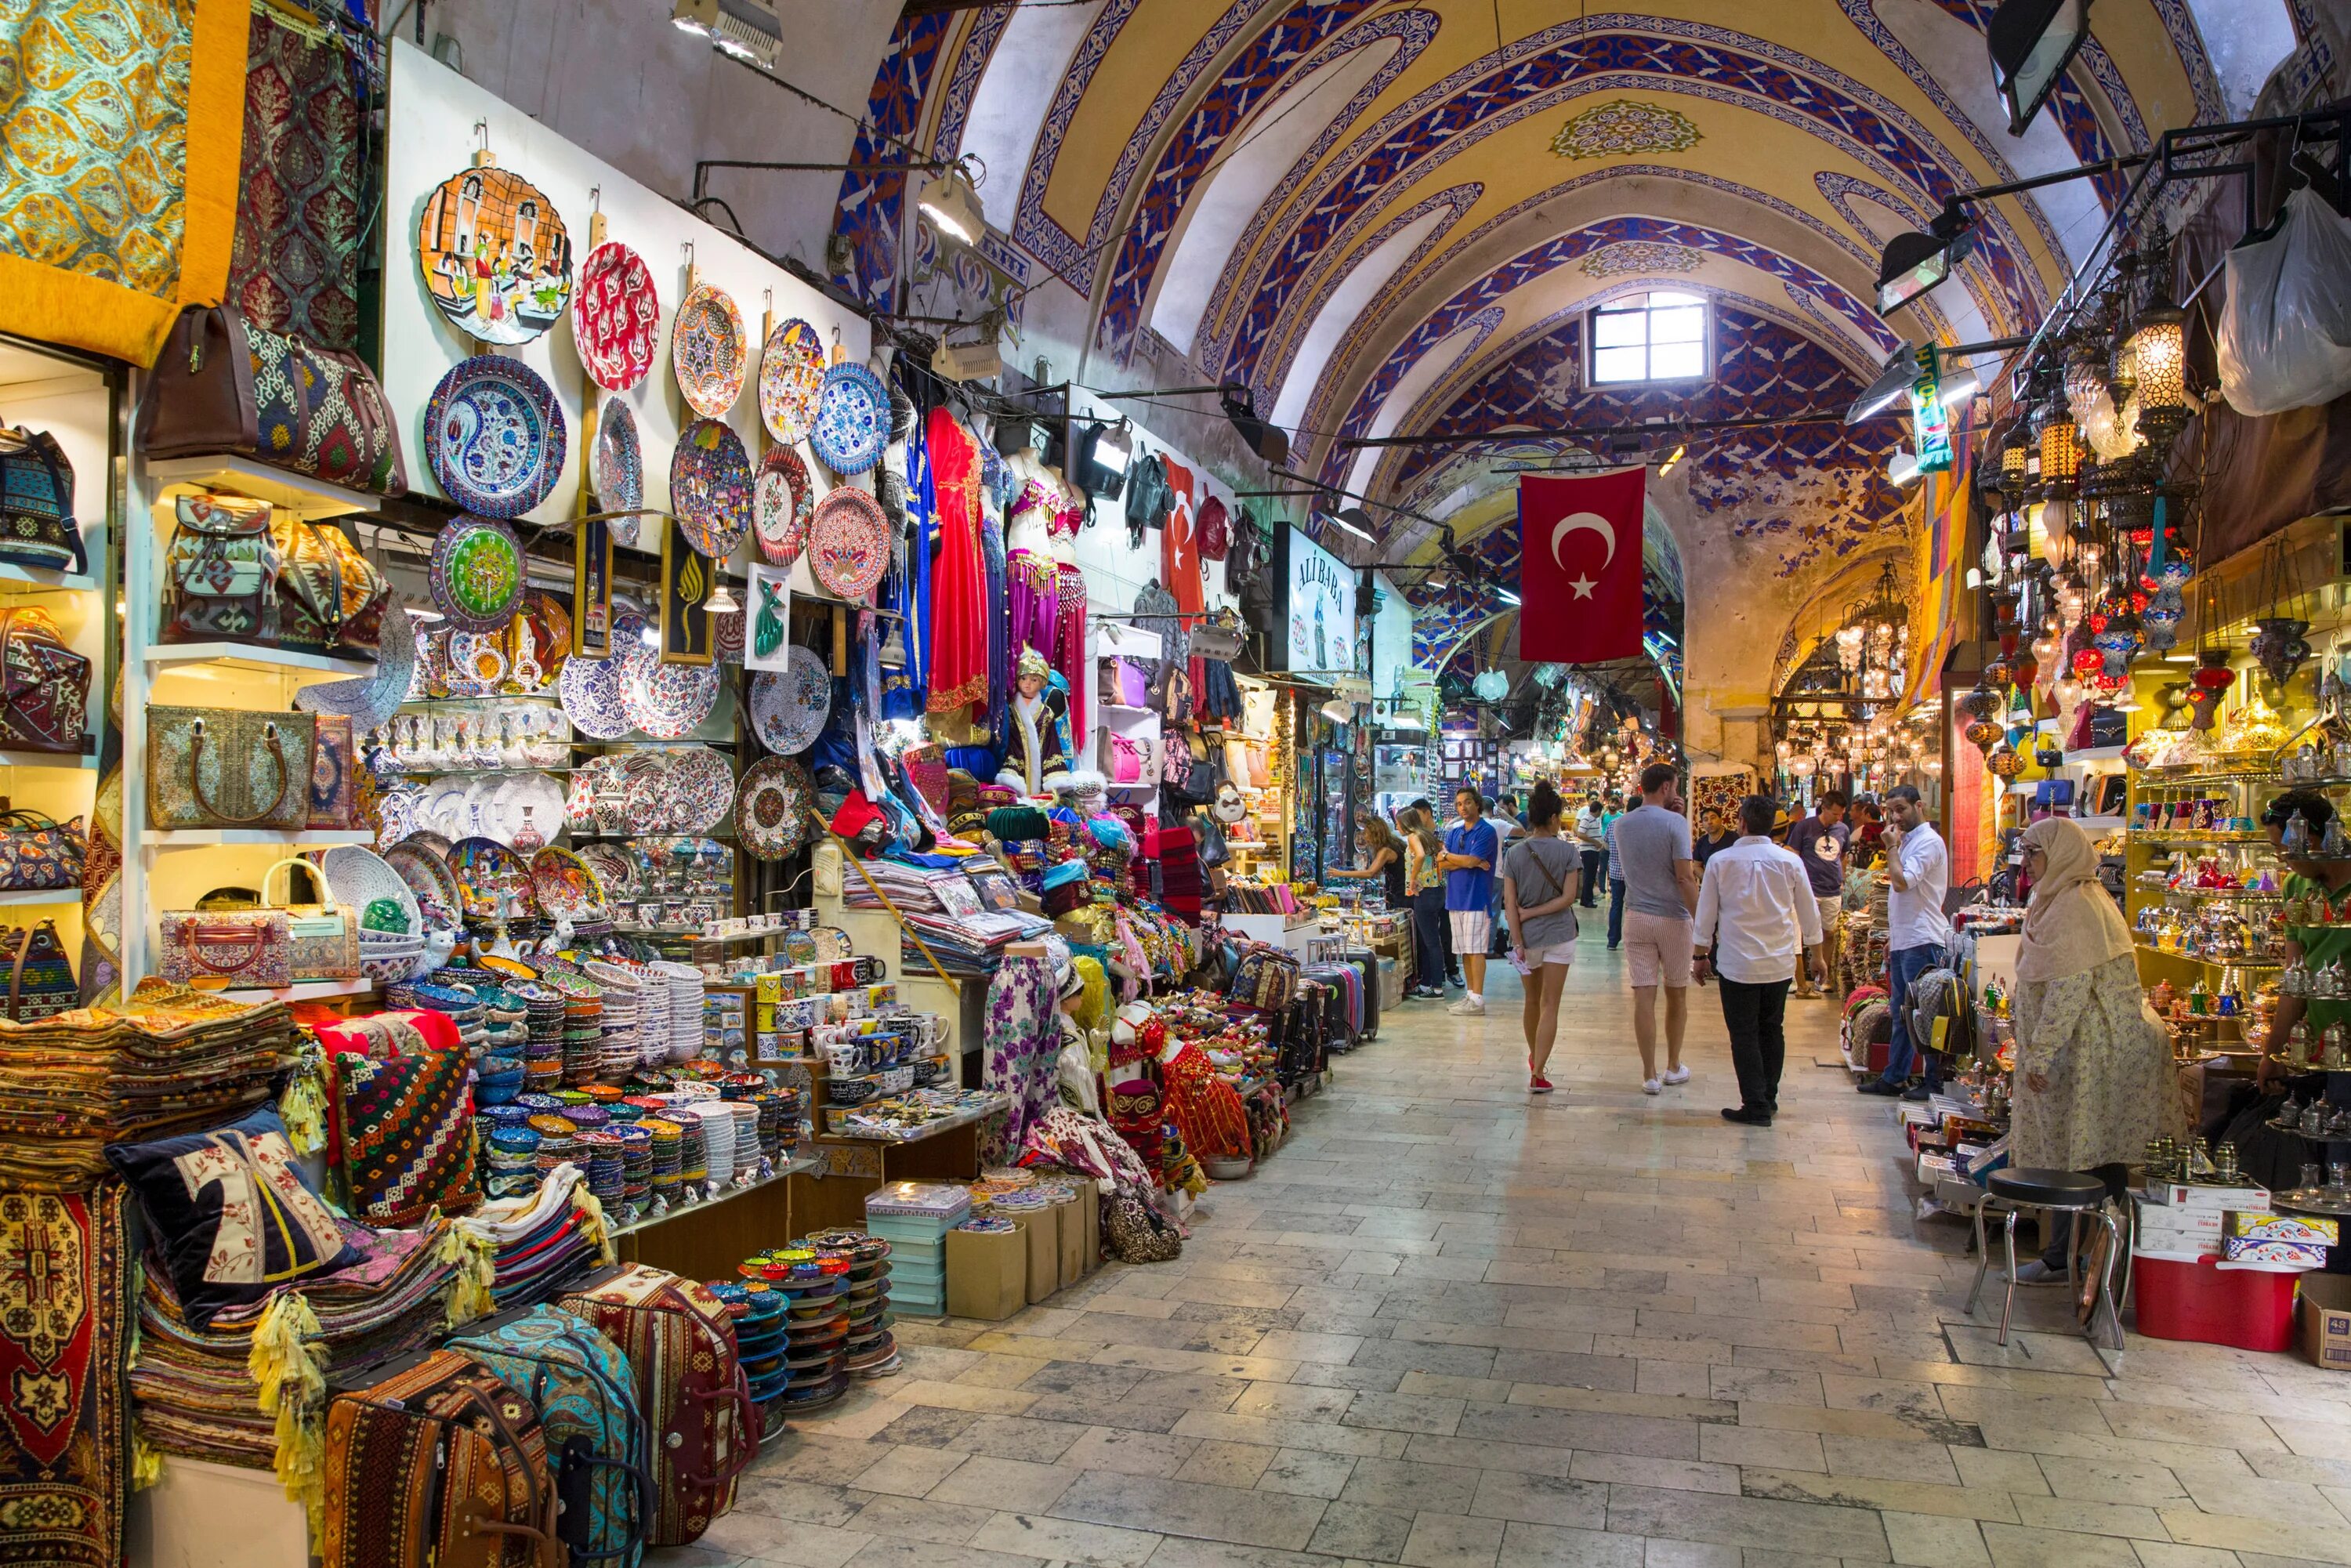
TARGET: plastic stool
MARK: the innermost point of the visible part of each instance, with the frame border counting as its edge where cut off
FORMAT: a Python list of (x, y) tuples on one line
[(2064, 1192)]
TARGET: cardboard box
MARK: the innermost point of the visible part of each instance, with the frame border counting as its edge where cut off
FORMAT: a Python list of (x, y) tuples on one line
[(2324, 1311), (2187, 1195), (1090, 1215), (2293, 1254), (2155, 1219), (988, 1275), (1044, 1234), (1069, 1231), (2310, 1229)]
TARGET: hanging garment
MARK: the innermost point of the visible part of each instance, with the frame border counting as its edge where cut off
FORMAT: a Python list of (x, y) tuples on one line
[(907, 688), (1023, 1048), (995, 610), (959, 601), (1034, 605), (1068, 650)]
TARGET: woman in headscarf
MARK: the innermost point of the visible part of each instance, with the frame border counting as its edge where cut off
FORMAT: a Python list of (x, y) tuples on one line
[(2093, 1062)]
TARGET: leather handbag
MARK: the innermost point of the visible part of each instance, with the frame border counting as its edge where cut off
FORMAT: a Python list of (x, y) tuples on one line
[(322, 938), (1214, 530), (221, 384), (38, 853), (330, 597), (228, 767), (1126, 757), (223, 562), (37, 504), (41, 981), (334, 774), (227, 947), (44, 685)]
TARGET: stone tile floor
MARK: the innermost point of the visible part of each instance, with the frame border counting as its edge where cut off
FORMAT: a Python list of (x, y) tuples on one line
[(1450, 1325)]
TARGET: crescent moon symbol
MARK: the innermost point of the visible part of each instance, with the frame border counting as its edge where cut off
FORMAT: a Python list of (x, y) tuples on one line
[(1593, 520)]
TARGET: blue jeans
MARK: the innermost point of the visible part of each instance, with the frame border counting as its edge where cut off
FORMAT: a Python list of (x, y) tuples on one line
[(1902, 967), (1615, 912)]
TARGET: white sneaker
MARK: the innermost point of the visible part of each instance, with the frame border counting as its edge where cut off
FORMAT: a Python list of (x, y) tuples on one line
[(1651, 1086), (1466, 1009), (1677, 1075)]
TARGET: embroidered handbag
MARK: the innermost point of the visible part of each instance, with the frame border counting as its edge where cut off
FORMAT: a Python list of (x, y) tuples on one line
[(221, 384), (334, 774), (40, 853), (243, 948), (44, 685), (223, 563), (322, 938), (41, 981), (407, 1133), (1265, 979), (228, 767), (1175, 767), (330, 597), (37, 504)]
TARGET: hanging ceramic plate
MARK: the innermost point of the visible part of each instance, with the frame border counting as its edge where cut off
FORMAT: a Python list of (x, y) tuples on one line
[(428, 876), (791, 379), (477, 573), (710, 488), (702, 790), (669, 702), (616, 467), (488, 873), (614, 868), (591, 688), (565, 885), (371, 700), (494, 436), (852, 419), (782, 502), (616, 316), (788, 706), (494, 256), (537, 643), (848, 542), (772, 810), (707, 352)]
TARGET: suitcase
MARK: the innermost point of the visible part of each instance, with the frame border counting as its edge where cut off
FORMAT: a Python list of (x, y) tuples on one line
[(701, 1427), (587, 1402), (434, 1462)]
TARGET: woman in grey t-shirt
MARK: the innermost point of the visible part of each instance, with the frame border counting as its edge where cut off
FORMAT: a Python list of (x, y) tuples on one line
[(1539, 874)]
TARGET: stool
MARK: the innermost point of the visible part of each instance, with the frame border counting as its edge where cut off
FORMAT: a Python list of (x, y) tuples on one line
[(2065, 1192)]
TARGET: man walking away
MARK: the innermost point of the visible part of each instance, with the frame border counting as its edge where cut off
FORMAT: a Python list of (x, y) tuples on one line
[(1615, 881), (1756, 915), (1820, 841), (1471, 849), (1918, 874), (1660, 881), (1591, 829)]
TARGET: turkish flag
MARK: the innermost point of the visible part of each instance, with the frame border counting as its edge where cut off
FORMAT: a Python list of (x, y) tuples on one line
[(1179, 544), (1580, 566)]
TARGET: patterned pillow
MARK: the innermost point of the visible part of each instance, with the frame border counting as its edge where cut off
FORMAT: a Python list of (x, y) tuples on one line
[(406, 1135), (229, 1214)]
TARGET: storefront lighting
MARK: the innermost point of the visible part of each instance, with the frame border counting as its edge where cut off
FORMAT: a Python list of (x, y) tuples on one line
[(2012, 463), (2032, 42), (722, 600), (1667, 466), (651, 635), (1506, 596), (1893, 384), (1903, 468), (2158, 352), (747, 30), (1354, 520), (1916, 263)]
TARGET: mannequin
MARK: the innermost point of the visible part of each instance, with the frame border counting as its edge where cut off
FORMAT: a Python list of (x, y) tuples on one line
[(1031, 739), (1047, 587)]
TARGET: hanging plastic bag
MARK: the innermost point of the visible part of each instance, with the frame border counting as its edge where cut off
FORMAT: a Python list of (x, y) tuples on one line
[(2285, 337)]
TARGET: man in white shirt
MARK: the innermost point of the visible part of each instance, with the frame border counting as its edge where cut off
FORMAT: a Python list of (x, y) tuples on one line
[(1917, 932), (1756, 915), (1590, 830)]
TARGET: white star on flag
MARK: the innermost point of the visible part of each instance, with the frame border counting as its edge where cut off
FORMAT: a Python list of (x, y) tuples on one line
[(1583, 586)]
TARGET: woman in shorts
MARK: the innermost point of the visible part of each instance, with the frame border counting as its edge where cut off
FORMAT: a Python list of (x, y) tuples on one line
[(1540, 876)]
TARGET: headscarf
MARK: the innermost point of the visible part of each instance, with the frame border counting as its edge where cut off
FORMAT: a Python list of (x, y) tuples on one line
[(2072, 924)]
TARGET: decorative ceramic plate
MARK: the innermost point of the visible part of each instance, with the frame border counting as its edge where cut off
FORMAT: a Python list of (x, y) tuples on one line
[(788, 706), (791, 379), (537, 643), (591, 688), (852, 419), (702, 790), (371, 700), (782, 502), (428, 876), (848, 542), (494, 256), (489, 871), (707, 352), (772, 810), (509, 797), (477, 573), (616, 467), (566, 886), (361, 876), (614, 867), (726, 637), (616, 316), (648, 803), (669, 702), (494, 436), (710, 488)]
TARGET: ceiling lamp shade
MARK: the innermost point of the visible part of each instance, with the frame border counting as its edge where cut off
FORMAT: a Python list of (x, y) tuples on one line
[(2061, 451), (2158, 351), (1913, 263), (2032, 42), (1892, 384)]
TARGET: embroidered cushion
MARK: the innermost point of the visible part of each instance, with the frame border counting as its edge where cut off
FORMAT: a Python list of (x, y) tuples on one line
[(406, 1135), (229, 1214)]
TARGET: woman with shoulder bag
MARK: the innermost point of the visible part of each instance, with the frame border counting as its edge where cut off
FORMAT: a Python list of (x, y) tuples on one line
[(1426, 885), (1540, 876)]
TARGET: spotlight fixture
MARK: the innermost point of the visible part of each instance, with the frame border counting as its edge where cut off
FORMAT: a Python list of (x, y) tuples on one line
[(1893, 384), (2032, 42), (1356, 521), (1338, 710), (747, 30), (1265, 440), (951, 205), (1506, 596), (1903, 468), (1667, 466), (1913, 263), (722, 600), (967, 361)]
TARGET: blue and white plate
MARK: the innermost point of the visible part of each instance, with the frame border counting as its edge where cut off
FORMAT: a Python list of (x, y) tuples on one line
[(494, 436), (852, 419), (788, 706), (591, 688)]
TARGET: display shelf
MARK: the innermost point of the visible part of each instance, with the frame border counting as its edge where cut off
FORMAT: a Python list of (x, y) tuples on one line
[(2157, 836), (198, 838), (2205, 963), (67, 760), (311, 498), (2088, 754), (788, 1169), (2228, 894), (675, 934), (994, 1103), (2152, 780), (253, 656), (304, 990), (36, 577), (35, 897)]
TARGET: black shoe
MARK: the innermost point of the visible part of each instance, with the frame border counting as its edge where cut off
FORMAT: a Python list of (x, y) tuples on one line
[(1746, 1118), (1917, 1095), (1879, 1086)]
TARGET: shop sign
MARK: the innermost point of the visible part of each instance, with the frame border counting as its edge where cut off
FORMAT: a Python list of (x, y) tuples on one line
[(1321, 636), (1929, 418)]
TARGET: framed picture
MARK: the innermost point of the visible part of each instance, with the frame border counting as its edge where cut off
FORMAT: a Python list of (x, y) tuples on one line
[(766, 617)]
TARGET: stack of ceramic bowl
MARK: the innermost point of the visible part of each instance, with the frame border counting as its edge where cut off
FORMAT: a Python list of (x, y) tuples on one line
[(624, 1007), (668, 1159), (816, 1325), (757, 1310), (652, 1022), (558, 1141), (496, 1080), (747, 1137), (870, 1349), (717, 1121), (636, 1166), (694, 1151), (687, 996), (606, 1162)]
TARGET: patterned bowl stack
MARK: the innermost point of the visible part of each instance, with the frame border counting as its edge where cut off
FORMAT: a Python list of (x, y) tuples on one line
[(669, 1158), (606, 1163), (543, 1065), (588, 1116), (496, 1080), (746, 1138), (514, 1162), (653, 1024), (559, 1141), (760, 1340), (636, 1168), (717, 1121), (624, 1004)]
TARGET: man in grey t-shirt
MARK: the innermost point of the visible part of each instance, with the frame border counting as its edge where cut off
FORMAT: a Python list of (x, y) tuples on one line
[(1661, 883)]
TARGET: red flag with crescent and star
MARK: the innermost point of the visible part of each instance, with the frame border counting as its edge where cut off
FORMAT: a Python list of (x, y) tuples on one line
[(1580, 566)]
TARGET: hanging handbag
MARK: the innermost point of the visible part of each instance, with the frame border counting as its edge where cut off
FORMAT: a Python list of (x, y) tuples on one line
[(334, 774), (221, 384), (38, 853), (330, 597), (37, 504), (41, 981), (44, 685), (1213, 529), (247, 947), (223, 564), (323, 938), (1124, 758), (228, 767)]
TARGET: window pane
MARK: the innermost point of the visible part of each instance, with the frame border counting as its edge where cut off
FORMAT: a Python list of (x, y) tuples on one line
[(1668, 297), (1675, 362), (1681, 324), (1615, 329), (1618, 365)]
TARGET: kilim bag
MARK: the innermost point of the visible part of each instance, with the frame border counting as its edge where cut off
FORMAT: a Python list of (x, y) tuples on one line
[(697, 1403), (407, 1135), (334, 774), (240, 948), (37, 504), (434, 1462), (44, 685), (322, 939), (1139, 1233), (330, 597), (38, 853), (223, 563), (40, 977), (586, 1398), (1265, 979), (228, 767)]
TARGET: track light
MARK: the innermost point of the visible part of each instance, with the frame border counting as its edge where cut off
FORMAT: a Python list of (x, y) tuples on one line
[(1356, 521), (1265, 440), (748, 30), (1506, 596), (952, 205), (1892, 384), (2032, 42), (1903, 466), (1913, 263), (1667, 466)]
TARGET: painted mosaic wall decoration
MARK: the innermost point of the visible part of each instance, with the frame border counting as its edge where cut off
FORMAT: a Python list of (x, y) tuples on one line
[(1626, 128), (1636, 257)]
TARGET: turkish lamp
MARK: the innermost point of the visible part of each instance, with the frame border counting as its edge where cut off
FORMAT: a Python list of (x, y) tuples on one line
[(2061, 452), (2158, 349), (2011, 465)]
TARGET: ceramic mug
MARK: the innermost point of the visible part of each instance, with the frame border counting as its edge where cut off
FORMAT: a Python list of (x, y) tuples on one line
[(845, 1058)]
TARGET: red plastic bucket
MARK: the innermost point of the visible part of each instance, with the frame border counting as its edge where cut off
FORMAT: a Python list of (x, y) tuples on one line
[(2200, 1300)]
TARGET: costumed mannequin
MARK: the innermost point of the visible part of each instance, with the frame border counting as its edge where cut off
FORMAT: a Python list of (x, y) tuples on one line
[(1080, 996), (1033, 742), (1048, 598)]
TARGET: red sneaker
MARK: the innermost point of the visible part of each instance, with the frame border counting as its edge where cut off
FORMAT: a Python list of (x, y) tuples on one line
[(1538, 1085)]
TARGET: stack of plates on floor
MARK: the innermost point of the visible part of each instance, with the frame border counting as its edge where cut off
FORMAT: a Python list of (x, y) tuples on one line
[(870, 1349), (816, 1335), (669, 1156), (619, 1021)]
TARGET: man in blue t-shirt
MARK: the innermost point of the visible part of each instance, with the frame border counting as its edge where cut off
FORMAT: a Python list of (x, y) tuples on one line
[(1471, 850)]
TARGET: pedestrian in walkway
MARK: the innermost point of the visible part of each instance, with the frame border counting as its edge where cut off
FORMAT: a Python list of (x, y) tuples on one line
[(1652, 846), (1471, 848), (1819, 841), (1427, 808), (1421, 850), (1538, 884), (1615, 881), (1918, 874), (1756, 916), (1714, 836), (1591, 828)]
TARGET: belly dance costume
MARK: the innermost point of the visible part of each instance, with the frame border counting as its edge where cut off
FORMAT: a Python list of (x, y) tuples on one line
[(1033, 607)]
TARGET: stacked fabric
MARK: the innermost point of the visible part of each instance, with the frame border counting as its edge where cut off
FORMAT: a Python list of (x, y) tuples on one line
[(167, 1060), (538, 1244)]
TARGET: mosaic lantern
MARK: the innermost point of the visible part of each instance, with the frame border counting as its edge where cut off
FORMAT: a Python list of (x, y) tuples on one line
[(2281, 644), (2209, 685)]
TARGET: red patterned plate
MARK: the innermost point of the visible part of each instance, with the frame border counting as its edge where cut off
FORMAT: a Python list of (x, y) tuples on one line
[(783, 502), (848, 542), (616, 316)]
